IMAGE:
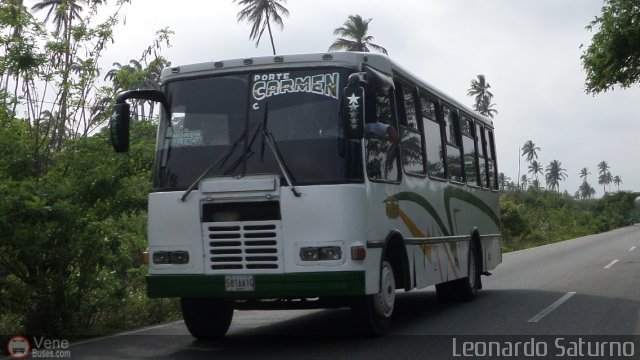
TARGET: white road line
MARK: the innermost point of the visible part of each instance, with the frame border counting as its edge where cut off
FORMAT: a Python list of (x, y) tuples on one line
[(632, 248), (611, 264), (551, 307), (125, 333)]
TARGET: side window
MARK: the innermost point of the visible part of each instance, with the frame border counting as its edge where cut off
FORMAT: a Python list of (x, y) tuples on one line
[(433, 137), (381, 153), (469, 146), (482, 155), (412, 142), (492, 167), (454, 153)]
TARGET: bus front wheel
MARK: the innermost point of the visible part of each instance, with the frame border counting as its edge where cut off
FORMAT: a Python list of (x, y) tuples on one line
[(205, 318), (375, 310)]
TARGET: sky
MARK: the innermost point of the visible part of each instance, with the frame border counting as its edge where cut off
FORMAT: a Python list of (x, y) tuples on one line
[(529, 51)]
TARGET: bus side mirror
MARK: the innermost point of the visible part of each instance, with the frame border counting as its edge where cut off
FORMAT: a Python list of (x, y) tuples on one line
[(119, 127), (353, 109)]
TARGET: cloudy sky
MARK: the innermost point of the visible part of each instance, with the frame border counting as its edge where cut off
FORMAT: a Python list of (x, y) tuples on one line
[(529, 51)]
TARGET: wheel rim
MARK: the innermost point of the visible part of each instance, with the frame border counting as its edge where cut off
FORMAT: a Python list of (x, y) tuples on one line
[(385, 299)]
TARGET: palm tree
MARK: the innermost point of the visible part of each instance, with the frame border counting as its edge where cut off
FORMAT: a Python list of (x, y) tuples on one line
[(260, 13), (530, 150), (64, 12), (535, 168), (554, 174), (503, 180), (584, 173), (354, 36), (603, 169), (486, 107), (480, 88), (586, 190), (524, 181), (617, 180)]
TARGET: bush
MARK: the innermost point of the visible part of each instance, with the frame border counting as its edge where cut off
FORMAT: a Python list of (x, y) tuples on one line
[(533, 218)]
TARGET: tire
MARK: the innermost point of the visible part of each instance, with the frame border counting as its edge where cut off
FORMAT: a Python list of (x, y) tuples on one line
[(205, 318), (375, 311), (465, 289)]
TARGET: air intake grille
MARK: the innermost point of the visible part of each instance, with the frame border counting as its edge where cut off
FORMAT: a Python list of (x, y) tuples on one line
[(250, 246)]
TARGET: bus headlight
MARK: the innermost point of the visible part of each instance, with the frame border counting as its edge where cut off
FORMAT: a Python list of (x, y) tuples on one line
[(309, 254), (171, 257), (330, 253), (321, 253)]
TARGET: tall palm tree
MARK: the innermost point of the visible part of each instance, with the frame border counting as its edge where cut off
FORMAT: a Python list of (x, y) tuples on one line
[(503, 180), (260, 13), (486, 107), (584, 173), (354, 36), (530, 151), (554, 174), (480, 88), (586, 190), (617, 180), (603, 169), (535, 168), (64, 13), (524, 181)]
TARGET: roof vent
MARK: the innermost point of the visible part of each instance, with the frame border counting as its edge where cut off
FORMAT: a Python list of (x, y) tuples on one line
[(218, 64), (248, 61), (278, 59), (175, 70), (327, 57)]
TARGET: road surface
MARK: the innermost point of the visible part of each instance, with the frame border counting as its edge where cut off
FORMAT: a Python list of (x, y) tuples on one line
[(553, 296)]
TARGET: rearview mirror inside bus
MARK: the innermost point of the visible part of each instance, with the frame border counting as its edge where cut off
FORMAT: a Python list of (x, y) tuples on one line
[(119, 127), (353, 111)]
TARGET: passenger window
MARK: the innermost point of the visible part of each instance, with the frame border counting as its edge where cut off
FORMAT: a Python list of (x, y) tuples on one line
[(381, 153), (433, 137), (482, 157), (492, 168), (412, 142), (469, 146), (454, 153)]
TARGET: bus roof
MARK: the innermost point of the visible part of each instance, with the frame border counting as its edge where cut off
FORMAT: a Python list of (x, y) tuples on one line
[(352, 59)]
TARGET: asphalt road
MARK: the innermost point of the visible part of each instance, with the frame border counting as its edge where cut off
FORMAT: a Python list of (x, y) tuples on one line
[(552, 297)]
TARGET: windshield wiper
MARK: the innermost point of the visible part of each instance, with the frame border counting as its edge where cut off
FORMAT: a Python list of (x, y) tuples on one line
[(267, 136), (220, 161)]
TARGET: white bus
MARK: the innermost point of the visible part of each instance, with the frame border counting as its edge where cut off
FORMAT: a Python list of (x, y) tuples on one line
[(281, 182)]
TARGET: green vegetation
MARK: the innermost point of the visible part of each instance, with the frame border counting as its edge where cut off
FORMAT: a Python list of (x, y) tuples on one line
[(73, 213), (613, 57), (535, 217)]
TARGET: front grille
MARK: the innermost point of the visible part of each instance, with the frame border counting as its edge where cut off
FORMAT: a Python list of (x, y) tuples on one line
[(238, 246)]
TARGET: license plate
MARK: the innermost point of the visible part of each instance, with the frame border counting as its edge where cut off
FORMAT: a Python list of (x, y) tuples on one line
[(239, 283)]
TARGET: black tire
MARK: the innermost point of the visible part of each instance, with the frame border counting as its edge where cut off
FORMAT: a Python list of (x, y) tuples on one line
[(206, 319), (465, 289), (375, 311)]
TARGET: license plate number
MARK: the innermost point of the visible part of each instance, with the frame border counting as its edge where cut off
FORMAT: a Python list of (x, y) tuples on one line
[(239, 283)]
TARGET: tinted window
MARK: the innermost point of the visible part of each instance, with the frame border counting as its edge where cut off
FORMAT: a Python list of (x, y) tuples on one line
[(454, 156), (433, 137), (412, 144), (468, 144), (381, 153)]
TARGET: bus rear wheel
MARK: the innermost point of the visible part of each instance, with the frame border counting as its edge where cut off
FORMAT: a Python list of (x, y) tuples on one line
[(375, 310), (465, 289), (206, 318)]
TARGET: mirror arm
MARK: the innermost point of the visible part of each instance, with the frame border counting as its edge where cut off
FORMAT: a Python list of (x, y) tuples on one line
[(152, 95)]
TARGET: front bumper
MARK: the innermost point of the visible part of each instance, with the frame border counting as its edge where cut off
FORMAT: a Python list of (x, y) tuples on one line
[(317, 284)]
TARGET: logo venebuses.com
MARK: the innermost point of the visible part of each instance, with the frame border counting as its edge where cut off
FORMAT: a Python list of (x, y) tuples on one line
[(19, 347)]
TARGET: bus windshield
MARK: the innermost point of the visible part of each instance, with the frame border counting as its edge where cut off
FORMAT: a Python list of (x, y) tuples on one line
[(300, 108)]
